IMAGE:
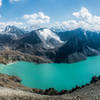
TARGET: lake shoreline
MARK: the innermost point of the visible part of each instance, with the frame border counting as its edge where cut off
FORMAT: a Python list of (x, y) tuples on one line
[(10, 88), (10, 56), (50, 91), (53, 91), (85, 92)]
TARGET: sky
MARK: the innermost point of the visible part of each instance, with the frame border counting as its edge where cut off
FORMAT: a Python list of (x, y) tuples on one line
[(66, 13)]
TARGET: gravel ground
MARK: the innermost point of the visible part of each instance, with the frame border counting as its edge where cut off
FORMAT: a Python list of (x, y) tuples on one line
[(11, 89), (91, 92)]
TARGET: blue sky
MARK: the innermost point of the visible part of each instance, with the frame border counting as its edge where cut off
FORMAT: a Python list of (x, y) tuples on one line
[(57, 10)]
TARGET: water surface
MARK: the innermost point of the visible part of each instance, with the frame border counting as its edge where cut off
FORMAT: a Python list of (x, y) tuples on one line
[(58, 76)]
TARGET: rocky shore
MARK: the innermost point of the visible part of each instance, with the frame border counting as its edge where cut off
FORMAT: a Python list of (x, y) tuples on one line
[(11, 87), (52, 91)]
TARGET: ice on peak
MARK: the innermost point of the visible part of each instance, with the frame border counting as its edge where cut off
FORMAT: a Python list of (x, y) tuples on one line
[(47, 33)]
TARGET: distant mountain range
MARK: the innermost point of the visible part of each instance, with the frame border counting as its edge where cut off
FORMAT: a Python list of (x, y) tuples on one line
[(49, 45)]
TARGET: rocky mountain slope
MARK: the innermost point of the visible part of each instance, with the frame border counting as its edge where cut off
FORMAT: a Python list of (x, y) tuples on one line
[(60, 47), (9, 56), (79, 45)]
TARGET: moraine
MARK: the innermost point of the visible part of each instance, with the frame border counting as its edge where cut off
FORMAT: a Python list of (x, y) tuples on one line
[(58, 76)]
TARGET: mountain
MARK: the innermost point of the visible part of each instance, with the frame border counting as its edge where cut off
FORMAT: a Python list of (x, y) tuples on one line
[(41, 42), (13, 31), (35, 43), (79, 45), (30, 43), (71, 51), (46, 37), (60, 47), (49, 38), (66, 35)]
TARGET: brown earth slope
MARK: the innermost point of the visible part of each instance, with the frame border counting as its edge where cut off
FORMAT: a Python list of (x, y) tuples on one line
[(8, 56), (11, 89)]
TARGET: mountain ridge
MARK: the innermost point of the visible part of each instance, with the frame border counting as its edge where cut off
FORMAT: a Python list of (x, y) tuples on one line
[(59, 47)]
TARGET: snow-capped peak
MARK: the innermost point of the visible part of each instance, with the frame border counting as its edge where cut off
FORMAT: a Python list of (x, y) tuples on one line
[(47, 34), (13, 29)]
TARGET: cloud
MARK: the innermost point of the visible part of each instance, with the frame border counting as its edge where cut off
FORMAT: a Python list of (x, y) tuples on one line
[(83, 13), (4, 24), (9, 1), (14, 1), (11, 23), (31, 22), (0, 3), (36, 18), (84, 19)]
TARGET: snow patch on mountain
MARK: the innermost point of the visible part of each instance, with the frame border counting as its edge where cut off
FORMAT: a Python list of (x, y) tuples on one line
[(47, 33)]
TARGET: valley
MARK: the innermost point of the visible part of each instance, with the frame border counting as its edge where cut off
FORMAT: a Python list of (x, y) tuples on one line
[(48, 56), (49, 49)]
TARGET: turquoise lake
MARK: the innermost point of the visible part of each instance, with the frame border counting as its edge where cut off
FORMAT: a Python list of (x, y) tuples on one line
[(58, 76)]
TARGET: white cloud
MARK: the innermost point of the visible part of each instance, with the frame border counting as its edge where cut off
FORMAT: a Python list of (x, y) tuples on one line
[(83, 13), (36, 18), (0, 3), (4, 24), (32, 21), (9, 1), (14, 0), (84, 19)]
